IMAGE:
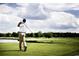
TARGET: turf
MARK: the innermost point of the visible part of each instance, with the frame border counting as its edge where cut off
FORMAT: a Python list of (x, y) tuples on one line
[(43, 47)]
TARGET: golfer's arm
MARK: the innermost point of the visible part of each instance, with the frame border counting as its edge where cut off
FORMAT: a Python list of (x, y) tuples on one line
[(18, 24)]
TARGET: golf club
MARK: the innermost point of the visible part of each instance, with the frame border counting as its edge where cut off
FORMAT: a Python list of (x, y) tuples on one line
[(28, 28)]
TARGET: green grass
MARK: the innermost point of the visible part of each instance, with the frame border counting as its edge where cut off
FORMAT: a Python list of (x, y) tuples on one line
[(45, 47)]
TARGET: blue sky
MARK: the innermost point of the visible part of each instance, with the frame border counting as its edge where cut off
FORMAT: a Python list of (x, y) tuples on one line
[(45, 17)]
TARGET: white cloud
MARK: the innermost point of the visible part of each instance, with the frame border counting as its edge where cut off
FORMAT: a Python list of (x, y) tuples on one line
[(8, 23), (4, 9), (58, 21), (60, 7), (23, 4), (21, 11), (62, 17)]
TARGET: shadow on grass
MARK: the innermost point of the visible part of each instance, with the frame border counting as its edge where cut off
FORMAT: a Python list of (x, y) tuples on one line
[(73, 53), (52, 42), (9, 50)]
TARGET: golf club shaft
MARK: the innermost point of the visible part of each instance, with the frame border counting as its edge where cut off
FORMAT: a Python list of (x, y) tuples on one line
[(28, 28)]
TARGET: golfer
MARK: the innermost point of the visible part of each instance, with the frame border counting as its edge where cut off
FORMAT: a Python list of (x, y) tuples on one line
[(22, 34)]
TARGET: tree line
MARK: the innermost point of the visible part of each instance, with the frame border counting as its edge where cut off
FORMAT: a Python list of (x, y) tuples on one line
[(40, 34)]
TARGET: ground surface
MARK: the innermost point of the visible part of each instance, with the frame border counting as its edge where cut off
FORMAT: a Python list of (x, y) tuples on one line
[(43, 47)]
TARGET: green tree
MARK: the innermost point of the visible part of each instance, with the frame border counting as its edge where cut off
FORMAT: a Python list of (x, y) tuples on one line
[(14, 34), (2, 35), (8, 34), (40, 34)]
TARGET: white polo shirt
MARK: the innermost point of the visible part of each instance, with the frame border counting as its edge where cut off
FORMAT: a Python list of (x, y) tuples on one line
[(22, 27)]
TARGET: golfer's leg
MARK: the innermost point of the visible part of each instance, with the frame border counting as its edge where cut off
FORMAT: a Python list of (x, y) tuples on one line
[(24, 42), (19, 41), (20, 44)]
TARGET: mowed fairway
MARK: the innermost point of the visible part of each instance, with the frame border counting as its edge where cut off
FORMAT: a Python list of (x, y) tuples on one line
[(43, 47)]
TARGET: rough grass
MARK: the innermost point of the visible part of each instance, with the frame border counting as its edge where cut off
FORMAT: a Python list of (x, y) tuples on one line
[(43, 47)]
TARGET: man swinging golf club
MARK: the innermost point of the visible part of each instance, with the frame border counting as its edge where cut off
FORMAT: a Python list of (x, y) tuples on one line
[(22, 34)]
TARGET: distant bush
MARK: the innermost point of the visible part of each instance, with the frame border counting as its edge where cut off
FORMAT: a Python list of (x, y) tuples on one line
[(40, 34)]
